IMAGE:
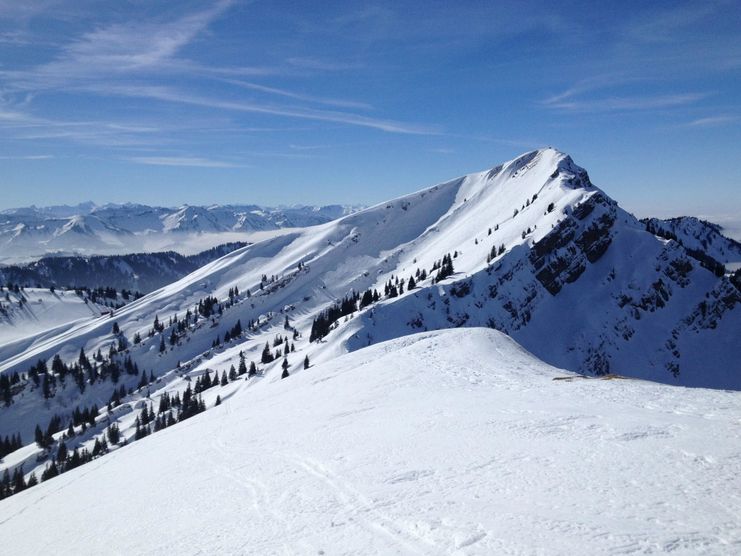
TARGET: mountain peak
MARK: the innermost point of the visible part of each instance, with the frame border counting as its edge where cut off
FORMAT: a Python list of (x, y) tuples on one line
[(540, 169)]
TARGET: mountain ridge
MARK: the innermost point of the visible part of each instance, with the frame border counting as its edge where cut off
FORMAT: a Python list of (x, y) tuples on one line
[(567, 200), (531, 248)]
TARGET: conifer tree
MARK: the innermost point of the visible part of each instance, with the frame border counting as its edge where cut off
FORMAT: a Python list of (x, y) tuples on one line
[(39, 437), (114, 434), (62, 451), (267, 357), (285, 368)]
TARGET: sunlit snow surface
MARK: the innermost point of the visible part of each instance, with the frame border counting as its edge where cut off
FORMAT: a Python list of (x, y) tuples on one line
[(452, 442)]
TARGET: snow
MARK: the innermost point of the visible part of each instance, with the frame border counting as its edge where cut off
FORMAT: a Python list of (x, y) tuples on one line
[(42, 311), (451, 442)]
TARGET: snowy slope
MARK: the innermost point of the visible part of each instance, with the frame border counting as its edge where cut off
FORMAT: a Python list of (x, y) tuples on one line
[(573, 278), (455, 442), (29, 233), (35, 310)]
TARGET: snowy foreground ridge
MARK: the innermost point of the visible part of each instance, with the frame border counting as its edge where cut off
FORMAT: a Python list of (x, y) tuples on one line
[(451, 442)]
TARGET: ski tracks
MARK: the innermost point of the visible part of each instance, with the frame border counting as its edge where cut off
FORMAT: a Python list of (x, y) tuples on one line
[(360, 509), (353, 504)]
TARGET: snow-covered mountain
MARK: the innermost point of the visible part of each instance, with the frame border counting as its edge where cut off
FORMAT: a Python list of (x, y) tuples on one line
[(538, 252), (531, 248), (142, 272), (699, 236), (452, 442), (87, 229)]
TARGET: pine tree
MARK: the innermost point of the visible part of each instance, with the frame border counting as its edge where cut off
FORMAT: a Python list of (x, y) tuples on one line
[(306, 362), (285, 368), (62, 451), (267, 357), (114, 434), (50, 472), (19, 482), (39, 437)]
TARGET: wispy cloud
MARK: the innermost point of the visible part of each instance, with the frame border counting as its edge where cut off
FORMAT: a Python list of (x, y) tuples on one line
[(308, 147), (624, 103), (28, 157), (122, 49), (186, 161), (14, 38), (18, 123), (713, 121), (300, 96), (320, 65), (132, 59), (168, 94), (587, 85)]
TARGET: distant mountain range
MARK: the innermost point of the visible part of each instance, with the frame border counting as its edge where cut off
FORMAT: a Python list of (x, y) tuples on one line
[(88, 229)]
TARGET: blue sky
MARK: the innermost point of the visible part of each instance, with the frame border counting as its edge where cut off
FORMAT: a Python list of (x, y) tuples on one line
[(356, 102)]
